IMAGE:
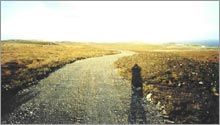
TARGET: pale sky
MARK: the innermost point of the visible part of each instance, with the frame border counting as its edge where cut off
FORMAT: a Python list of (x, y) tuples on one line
[(110, 21)]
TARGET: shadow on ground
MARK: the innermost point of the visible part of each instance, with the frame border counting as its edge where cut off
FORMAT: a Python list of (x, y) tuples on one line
[(137, 112), (14, 101)]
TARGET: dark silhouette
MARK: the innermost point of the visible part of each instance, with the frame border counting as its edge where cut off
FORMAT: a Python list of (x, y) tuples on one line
[(137, 80), (137, 112), (9, 105)]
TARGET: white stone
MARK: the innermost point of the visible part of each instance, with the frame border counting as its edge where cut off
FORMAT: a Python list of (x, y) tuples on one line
[(148, 97), (200, 83)]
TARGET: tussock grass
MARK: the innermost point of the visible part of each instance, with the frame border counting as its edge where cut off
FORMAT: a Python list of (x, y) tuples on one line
[(185, 83), (23, 63)]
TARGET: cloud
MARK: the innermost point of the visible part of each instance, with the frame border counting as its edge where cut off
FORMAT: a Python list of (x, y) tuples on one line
[(113, 21)]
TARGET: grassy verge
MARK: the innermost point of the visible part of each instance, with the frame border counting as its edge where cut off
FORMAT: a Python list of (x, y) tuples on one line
[(23, 63), (184, 84)]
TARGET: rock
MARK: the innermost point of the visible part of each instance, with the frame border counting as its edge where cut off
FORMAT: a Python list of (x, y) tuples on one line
[(139, 88), (169, 122), (214, 90), (200, 82), (162, 107), (148, 97), (170, 83), (164, 112), (166, 116), (6, 86), (158, 105)]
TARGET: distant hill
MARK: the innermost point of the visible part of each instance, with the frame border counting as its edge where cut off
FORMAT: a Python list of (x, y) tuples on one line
[(210, 43), (29, 42)]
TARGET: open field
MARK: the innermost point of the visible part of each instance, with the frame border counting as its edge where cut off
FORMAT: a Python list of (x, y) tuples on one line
[(184, 84), (23, 63), (181, 81), (140, 46)]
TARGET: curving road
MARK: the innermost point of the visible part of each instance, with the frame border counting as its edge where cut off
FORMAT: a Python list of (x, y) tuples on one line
[(86, 91)]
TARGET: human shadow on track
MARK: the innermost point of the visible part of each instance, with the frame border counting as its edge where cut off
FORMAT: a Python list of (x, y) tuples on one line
[(137, 112)]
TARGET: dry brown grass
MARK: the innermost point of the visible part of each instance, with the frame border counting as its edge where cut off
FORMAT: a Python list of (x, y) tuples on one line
[(140, 47), (174, 77), (132, 46), (24, 62)]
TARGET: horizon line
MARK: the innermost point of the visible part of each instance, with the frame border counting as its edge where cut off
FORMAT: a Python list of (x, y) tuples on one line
[(138, 41)]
